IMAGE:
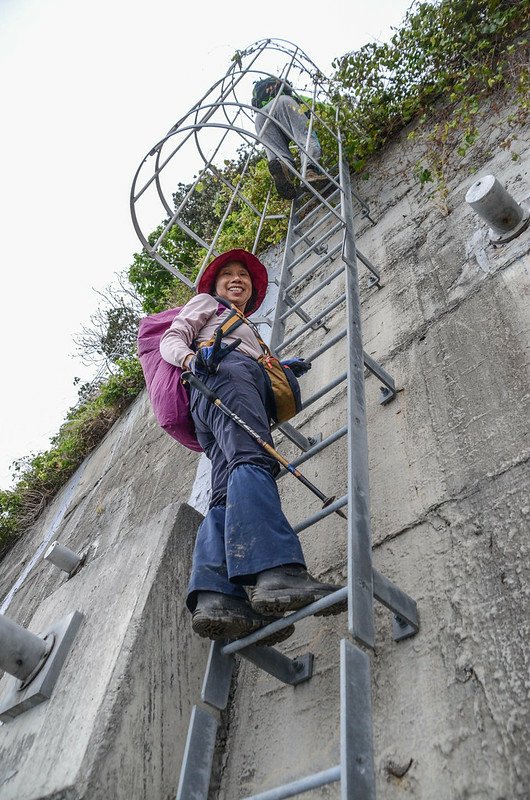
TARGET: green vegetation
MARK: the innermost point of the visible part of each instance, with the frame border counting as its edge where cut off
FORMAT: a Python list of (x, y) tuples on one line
[(435, 72)]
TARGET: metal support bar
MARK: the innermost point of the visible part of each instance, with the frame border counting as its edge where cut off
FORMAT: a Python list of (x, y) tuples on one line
[(301, 786), (407, 622), (297, 438), (21, 652), (218, 677), (367, 263), (356, 748), (287, 670), (361, 611), (196, 769), (64, 558), (506, 218), (39, 684), (377, 370)]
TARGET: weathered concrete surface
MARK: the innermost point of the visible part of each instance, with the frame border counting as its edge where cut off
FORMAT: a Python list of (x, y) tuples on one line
[(449, 493), (450, 507), (116, 723)]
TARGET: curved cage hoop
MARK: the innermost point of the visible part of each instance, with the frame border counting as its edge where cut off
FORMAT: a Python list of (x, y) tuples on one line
[(194, 182)]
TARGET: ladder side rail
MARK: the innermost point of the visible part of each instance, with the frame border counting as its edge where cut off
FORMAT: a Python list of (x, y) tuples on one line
[(217, 677), (357, 751), (278, 326), (361, 611), (196, 769)]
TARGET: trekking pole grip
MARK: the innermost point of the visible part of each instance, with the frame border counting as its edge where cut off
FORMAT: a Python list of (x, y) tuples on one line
[(193, 380)]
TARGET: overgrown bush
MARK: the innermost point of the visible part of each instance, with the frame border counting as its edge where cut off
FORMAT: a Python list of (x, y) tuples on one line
[(437, 69), (39, 477)]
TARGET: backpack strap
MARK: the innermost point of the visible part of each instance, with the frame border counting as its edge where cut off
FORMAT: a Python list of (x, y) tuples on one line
[(232, 322), (242, 318)]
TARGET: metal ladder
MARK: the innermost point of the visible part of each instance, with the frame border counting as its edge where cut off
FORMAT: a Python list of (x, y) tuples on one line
[(319, 254)]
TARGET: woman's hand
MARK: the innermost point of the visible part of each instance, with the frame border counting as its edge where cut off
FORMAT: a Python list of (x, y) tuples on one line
[(299, 366)]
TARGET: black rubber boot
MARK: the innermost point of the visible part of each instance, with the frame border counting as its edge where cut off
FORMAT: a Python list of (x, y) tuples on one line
[(288, 588), (221, 616), (282, 179)]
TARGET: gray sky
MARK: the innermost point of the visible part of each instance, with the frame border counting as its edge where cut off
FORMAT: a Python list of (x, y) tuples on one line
[(87, 89)]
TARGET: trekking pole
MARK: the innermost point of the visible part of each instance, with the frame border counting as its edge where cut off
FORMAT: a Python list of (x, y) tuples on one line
[(189, 377)]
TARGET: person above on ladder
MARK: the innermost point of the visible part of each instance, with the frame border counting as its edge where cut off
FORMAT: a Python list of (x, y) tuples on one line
[(281, 118), (245, 539)]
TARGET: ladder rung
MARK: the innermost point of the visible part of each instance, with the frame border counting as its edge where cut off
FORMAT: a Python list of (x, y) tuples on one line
[(299, 331), (322, 514), (315, 226), (314, 267), (301, 786), (325, 389), (327, 346), (312, 293), (316, 243), (334, 437), (308, 611), (314, 210)]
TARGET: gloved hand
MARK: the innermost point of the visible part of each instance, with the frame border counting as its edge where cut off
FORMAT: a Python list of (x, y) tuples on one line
[(207, 360), (299, 366)]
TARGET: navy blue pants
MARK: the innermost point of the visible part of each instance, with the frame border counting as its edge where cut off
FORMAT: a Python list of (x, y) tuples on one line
[(245, 530)]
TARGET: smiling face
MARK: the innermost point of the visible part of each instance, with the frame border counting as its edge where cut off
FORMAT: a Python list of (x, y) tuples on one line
[(233, 283)]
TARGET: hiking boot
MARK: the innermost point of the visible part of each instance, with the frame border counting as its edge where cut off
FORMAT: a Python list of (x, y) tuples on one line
[(289, 588), (222, 616), (282, 179), (316, 179)]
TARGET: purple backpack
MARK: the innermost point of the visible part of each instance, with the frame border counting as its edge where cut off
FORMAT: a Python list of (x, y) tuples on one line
[(168, 395)]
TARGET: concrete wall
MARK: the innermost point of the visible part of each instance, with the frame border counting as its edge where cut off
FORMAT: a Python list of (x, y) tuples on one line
[(450, 507)]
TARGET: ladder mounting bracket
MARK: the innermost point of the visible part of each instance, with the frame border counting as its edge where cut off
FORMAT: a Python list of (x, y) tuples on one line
[(386, 395)]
